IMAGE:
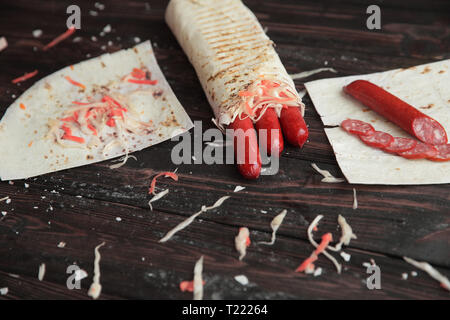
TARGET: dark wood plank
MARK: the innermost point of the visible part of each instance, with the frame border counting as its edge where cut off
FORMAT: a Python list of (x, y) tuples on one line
[(391, 221), (135, 265)]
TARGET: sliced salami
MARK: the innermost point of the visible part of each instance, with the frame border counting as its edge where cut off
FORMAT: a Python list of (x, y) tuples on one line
[(378, 139), (418, 124), (420, 151), (443, 153), (401, 145), (357, 127), (429, 131)]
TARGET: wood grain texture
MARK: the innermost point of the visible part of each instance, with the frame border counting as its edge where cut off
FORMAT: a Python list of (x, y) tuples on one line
[(80, 206)]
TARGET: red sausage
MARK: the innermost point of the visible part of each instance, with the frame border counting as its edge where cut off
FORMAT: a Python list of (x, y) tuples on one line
[(420, 151), (407, 117), (269, 122), (378, 139), (357, 127), (294, 127), (251, 168)]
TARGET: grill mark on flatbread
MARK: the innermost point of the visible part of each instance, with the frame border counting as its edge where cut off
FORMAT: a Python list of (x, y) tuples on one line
[(227, 31), (237, 37), (227, 27), (248, 46), (247, 56), (216, 13)]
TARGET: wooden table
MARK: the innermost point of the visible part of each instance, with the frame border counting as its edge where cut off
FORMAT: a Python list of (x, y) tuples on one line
[(390, 222)]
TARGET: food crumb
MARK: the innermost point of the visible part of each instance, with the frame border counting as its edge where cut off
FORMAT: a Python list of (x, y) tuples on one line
[(405, 276), (37, 33), (414, 273), (61, 244), (26, 185), (118, 219), (137, 39), (242, 279), (4, 291), (345, 256)]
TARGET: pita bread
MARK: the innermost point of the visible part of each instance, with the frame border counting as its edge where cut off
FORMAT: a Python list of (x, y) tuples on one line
[(425, 87), (31, 125)]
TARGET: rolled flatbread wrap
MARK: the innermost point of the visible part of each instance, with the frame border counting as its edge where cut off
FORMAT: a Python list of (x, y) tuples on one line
[(235, 61)]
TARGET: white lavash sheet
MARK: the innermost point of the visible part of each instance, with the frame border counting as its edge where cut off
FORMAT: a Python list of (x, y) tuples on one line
[(18, 128), (426, 87)]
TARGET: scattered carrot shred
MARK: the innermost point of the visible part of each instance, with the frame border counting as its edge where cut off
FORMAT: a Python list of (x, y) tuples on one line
[(60, 38), (150, 82), (188, 286), (26, 76), (326, 239), (138, 73), (75, 83), (166, 174), (30, 144), (22, 106), (71, 67)]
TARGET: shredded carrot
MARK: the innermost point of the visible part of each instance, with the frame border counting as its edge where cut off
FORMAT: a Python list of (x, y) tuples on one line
[(166, 174), (307, 263), (326, 239), (68, 135), (246, 94), (80, 103), (138, 73), (22, 106), (71, 67), (249, 109), (188, 286), (26, 76), (75, 83), (30, 144), (150, 82), (60, 38)]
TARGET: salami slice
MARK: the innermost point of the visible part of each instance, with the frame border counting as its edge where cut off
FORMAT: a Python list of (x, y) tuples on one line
[(378, 139), (401, 145), (357, 127), (420, 151), (429, 131), (443, 153)]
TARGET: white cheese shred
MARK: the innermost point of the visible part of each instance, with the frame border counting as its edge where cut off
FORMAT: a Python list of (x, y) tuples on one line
[(346, 234), (355, 200), (189, 220), (3, 43), (4, 291), (157, 197), (238, 188), (122, 161), (198, 279), (432, 272), (41, 272), (311, 227), (306, 74), (4, 199), (96, 287), (275, 224), (241, 242), (242, 279), (327, 176)]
